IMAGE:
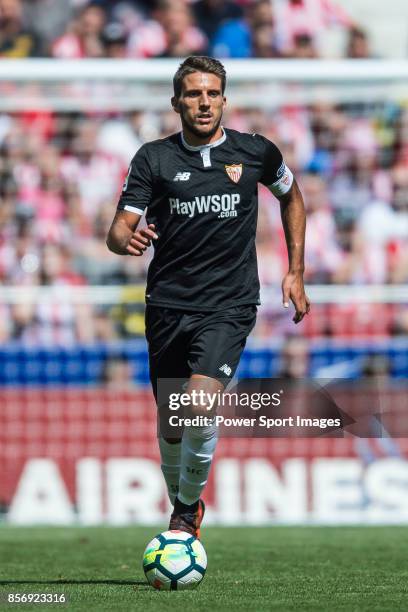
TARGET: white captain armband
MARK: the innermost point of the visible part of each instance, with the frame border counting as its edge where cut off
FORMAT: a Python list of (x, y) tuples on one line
[(284, 182)]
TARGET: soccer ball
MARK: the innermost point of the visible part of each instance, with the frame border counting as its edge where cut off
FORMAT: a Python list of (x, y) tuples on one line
[(174, 560)]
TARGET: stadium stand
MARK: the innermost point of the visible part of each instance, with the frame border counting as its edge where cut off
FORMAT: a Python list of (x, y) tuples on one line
[(74, 373)]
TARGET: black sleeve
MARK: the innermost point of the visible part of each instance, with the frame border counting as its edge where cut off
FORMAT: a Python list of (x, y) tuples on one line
[(272, 161), (276, 175), (138, 186)]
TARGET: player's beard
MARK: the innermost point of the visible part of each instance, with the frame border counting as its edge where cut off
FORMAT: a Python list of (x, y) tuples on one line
[(199, 133)]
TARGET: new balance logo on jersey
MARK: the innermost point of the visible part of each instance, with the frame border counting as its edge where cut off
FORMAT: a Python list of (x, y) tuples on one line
[(182, 176), (223, 204), (226, 369)]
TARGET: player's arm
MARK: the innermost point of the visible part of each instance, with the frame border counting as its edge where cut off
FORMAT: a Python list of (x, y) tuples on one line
[(294, 224), (281, 182), (125, 239)]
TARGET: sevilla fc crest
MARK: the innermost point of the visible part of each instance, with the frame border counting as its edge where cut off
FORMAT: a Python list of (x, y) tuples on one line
[(234, 172)]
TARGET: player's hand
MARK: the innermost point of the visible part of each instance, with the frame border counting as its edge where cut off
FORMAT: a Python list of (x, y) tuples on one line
[(140, 240), (293, 289)]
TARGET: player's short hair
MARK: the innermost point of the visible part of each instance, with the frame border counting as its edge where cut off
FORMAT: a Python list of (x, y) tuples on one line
[(198, 63)]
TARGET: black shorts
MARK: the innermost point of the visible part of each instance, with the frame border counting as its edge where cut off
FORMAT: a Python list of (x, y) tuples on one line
[(184, 343)]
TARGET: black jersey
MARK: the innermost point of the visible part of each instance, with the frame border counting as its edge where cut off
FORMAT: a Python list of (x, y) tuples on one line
[(204, 204)]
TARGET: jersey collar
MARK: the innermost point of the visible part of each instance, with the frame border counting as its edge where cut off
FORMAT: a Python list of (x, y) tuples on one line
[(210, 145)]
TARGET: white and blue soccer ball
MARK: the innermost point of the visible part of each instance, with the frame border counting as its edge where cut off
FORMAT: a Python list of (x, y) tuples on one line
[(174, 560)]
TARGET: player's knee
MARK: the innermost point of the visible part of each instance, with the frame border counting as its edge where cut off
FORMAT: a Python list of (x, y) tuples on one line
[(204, 392)]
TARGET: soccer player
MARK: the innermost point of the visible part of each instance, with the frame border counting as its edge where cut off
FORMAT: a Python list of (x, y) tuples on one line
[(198, 189)]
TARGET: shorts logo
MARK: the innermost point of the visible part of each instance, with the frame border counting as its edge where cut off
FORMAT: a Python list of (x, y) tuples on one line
[(182, 176), (234, 172), (226, 369)]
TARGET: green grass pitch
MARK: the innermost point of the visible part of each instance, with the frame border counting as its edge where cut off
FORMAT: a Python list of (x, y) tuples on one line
[(310, 569)]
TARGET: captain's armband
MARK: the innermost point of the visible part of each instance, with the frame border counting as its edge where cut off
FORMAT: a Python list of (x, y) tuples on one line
[(284, 182)]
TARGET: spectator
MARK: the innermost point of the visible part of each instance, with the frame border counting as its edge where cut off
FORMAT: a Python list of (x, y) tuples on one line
[(232, 39), (260, 14), (358, 46), (60, 175), (173, 28), (83, 36), (97, 175), (93, 259), (211, 14), (114, 40), (253, 36), (171, 33), (263, 33), (349, 240), (181, 36), (297, 19), (145, 37), (166, 28), (48, 208), (358, 179), (54, 323), (47, 19), (294, 358), (384, 234), (15, 40), (263, 44), (377, 253), (117, 373), (323, 254), (328, 124), (303, 47)]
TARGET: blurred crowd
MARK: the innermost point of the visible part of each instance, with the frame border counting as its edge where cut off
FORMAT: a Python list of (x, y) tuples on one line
[(61, 175), (61, 172), (76, 29)]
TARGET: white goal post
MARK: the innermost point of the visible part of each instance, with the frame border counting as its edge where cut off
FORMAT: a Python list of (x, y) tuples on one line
[(113, 294), (124, 85)]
